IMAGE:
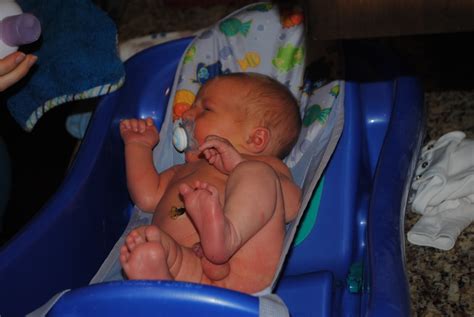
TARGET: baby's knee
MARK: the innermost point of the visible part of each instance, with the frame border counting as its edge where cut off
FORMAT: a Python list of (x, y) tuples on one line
[(255, 168), (256, 172)]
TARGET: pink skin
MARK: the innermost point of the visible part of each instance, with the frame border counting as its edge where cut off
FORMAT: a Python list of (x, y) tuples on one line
[(232, 234), (203, 206), (219, 235), (14, 67), (139, 131), (143, 256), (220, 153)]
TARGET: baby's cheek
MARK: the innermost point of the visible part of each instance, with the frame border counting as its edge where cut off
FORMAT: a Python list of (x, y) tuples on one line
[(199, 136)]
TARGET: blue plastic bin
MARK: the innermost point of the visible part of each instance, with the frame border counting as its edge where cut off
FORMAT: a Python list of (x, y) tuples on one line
[(351, 263)]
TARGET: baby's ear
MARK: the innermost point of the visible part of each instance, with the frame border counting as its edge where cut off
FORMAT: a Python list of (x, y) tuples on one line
[(258, 140)]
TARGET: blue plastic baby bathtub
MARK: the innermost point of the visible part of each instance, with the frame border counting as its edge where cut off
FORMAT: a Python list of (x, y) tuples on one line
[(348, 261)]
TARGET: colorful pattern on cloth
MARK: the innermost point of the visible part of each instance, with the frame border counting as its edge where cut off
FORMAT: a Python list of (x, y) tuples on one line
[(258, 38), (265, 39)]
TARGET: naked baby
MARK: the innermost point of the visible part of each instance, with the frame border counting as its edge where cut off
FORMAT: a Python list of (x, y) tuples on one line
[(220, 218)]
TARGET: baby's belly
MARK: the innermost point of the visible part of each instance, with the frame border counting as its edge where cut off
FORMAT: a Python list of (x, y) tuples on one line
[(180, 227)]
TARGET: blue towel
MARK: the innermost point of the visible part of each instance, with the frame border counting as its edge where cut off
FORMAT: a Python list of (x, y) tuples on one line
[(77, 58)]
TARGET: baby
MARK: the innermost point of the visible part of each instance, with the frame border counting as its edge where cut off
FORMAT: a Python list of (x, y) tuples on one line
[(220, 218)]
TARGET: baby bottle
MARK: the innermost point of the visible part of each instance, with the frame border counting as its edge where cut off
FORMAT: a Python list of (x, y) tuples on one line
[(16, 28), (183, 135)]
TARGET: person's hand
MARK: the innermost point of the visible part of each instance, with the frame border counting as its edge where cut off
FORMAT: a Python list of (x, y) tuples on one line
[(220, 153), (142, 131), (14, 67)]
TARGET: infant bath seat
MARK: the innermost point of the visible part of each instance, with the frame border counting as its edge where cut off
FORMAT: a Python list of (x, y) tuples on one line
[(357, 145)]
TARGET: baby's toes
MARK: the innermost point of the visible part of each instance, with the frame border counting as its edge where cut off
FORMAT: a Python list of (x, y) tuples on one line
[(185, 189), (130, 243), (133, 239), (124, 254), (212, 190), (152, 233), (203, 185), (138, 238)]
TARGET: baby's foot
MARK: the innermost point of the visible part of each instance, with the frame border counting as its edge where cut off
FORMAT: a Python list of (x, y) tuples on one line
[(135, 237), (203, 206), (143, 256)]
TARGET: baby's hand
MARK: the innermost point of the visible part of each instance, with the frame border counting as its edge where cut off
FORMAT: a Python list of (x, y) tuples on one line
[(142, 131), (220, 153)]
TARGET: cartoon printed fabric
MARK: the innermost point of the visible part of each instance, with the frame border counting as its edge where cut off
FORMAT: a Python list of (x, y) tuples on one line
[(260, 38), (254, 39)]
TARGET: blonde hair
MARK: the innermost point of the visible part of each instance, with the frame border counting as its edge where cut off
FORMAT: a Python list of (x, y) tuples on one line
[(274, 107)]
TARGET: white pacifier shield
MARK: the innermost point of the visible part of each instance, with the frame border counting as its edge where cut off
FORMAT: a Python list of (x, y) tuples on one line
[(180, 138)]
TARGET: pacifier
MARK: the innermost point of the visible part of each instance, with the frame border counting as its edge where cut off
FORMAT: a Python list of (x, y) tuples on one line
[(183, 136)]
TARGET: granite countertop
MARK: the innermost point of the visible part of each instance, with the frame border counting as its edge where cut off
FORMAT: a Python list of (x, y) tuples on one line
[(442, 282)]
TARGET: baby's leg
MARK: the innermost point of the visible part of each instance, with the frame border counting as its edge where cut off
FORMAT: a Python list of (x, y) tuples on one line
[(252, 191), (149, 253)]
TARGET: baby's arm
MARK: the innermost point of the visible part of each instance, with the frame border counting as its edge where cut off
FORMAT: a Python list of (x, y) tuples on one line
[(144, 183)]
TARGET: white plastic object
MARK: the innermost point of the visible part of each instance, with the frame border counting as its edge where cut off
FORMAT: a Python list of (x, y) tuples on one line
[(16, 28), (183, 139)]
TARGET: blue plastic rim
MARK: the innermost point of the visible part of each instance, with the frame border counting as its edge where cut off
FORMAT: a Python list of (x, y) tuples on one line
[(146, 298)]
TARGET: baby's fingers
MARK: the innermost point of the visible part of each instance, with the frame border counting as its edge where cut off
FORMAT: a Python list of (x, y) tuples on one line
[(142, 126), (210, 153), (149, 122), (150, 125), (137, 125), (217, 143), (125, 125)]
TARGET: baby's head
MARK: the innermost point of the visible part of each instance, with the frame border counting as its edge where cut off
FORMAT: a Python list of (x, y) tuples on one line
[(267, 103), (257, 114)]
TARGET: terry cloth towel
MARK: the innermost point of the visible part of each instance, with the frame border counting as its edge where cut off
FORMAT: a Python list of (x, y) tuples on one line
[(443, 191), (77, 59), (76, 124)]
